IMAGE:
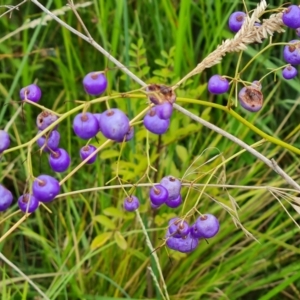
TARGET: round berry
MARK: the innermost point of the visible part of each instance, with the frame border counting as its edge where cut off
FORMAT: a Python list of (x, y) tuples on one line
[(184, 244), (251, 98), (6, 198), (31, 92), (173, 203), (173, 186), (87, 151), (236, 21), (289, 72), (85, 125), (45, 188), (218, 84), (164, 110), (207, 226), (154, 123), (131, 203), (95, 83), (28, 203), (49, 141), (98, 117), (4, 140), (45, 119), (256, 84), (178, 228), (291, 53), (155, 206), (158, 195), (291, 16), (195, 233), (298, 31), (59, 160), (114, 124)]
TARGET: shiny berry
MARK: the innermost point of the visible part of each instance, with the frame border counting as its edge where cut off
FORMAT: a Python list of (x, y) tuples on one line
[(207, 226), (218, 84), (87, 151), (195, 233), (49, 141), (289, 72), (236, 21), (291, 53), (95, 83), (184, 244), (6, 198), (31, 92), (59, 160), (158, 194), (164, 110), (291, 16), (154, 123), (98, 117), (173, 186), (45, 188), (178, 228), (28, 203), (251, 98), (4, 140), (85, 125), (114, 124), (174, 203), (45, 119), (131, 203)]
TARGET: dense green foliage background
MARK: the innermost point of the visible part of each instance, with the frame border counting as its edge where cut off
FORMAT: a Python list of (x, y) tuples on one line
[(160, 41)]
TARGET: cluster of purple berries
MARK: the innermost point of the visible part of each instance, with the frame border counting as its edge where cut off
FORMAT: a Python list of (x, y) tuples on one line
[(44, 189), (291, 53), (167, 192), (184, 238)]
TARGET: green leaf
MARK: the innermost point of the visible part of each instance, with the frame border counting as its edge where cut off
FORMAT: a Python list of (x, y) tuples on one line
[(182, 153), (105, 221), (160, 62), (109, 154), (113, 212), (121, 242), (140, 43), (100, 240)]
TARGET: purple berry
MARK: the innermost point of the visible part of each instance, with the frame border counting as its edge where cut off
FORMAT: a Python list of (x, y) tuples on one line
[(98, 117), (298, 31), (236, 21), (164, 110), (49, 141), (154, 206), (184, 244), (256, 84), (218, 84), (85, 125), (45, 188), (158, 194), (291, 54), (207, 226), (59, 160), (45, 119), (28, 203), (31, 92), (154, 123), (6, 198), (4, 140), (173, 186), (95, 83), (251, 98), (291, 16), (131, 203), (173, 203), (289, 72), (114, 124), (195, 233), (87, 151), (178, 228)]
